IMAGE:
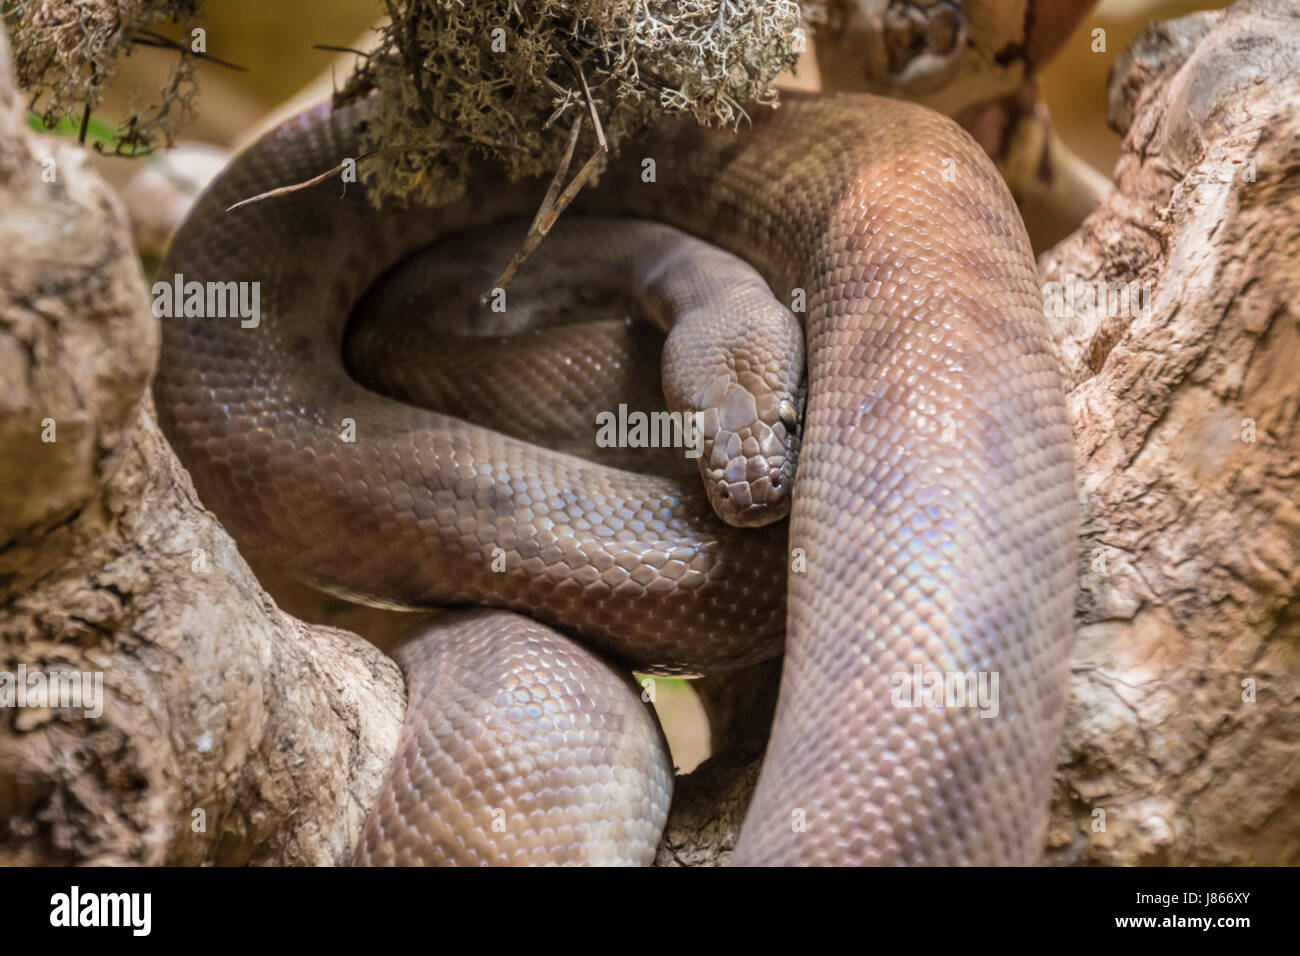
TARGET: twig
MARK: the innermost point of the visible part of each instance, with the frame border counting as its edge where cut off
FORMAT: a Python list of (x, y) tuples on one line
[(591, 105), (285, 190), (551, 206), (586, 92), (160, 42), (553, 190), (540, 226), (295, 187), (330, 47), (559, 110)]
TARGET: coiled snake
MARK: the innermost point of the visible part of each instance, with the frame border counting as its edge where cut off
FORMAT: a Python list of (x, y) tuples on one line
[(931, 535)]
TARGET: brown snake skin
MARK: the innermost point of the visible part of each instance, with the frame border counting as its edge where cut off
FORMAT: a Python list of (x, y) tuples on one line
[(934, 514), (510, 721), (732, 370)]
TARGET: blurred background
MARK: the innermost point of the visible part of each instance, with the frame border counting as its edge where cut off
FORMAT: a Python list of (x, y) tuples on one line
[(274, 42)]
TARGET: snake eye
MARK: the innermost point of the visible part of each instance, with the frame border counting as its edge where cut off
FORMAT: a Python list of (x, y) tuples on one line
[(788, 414)]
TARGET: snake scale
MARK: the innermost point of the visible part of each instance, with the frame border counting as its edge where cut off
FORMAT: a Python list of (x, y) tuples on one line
[(932, 528)]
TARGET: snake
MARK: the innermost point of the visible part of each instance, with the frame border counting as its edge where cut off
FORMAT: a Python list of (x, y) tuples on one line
[(930, 546)]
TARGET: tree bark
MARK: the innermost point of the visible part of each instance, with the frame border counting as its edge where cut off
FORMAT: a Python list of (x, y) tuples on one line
[(1185, 712), (226, 731)]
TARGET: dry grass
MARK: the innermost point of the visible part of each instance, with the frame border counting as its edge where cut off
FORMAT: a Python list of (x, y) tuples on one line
[(66, 52), (509, 79)]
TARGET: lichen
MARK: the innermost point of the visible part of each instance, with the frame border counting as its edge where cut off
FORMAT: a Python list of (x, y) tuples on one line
[(505, 79), (66, 52), (454, 80)]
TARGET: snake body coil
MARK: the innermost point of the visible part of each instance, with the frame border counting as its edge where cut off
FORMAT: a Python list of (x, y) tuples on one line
[(932, 531)]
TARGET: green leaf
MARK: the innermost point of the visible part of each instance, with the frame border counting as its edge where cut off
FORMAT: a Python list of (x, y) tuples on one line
[(68, 126)]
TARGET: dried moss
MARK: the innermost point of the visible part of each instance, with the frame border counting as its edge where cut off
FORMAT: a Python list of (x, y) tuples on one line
[(503, 78), (65, 52), (506, 78)]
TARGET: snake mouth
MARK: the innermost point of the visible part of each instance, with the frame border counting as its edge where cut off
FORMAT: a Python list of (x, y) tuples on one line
[(749, 477), (751, 450), (740, 510)]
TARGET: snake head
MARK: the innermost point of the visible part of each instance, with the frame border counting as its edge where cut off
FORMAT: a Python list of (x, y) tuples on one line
[(750, 449)]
